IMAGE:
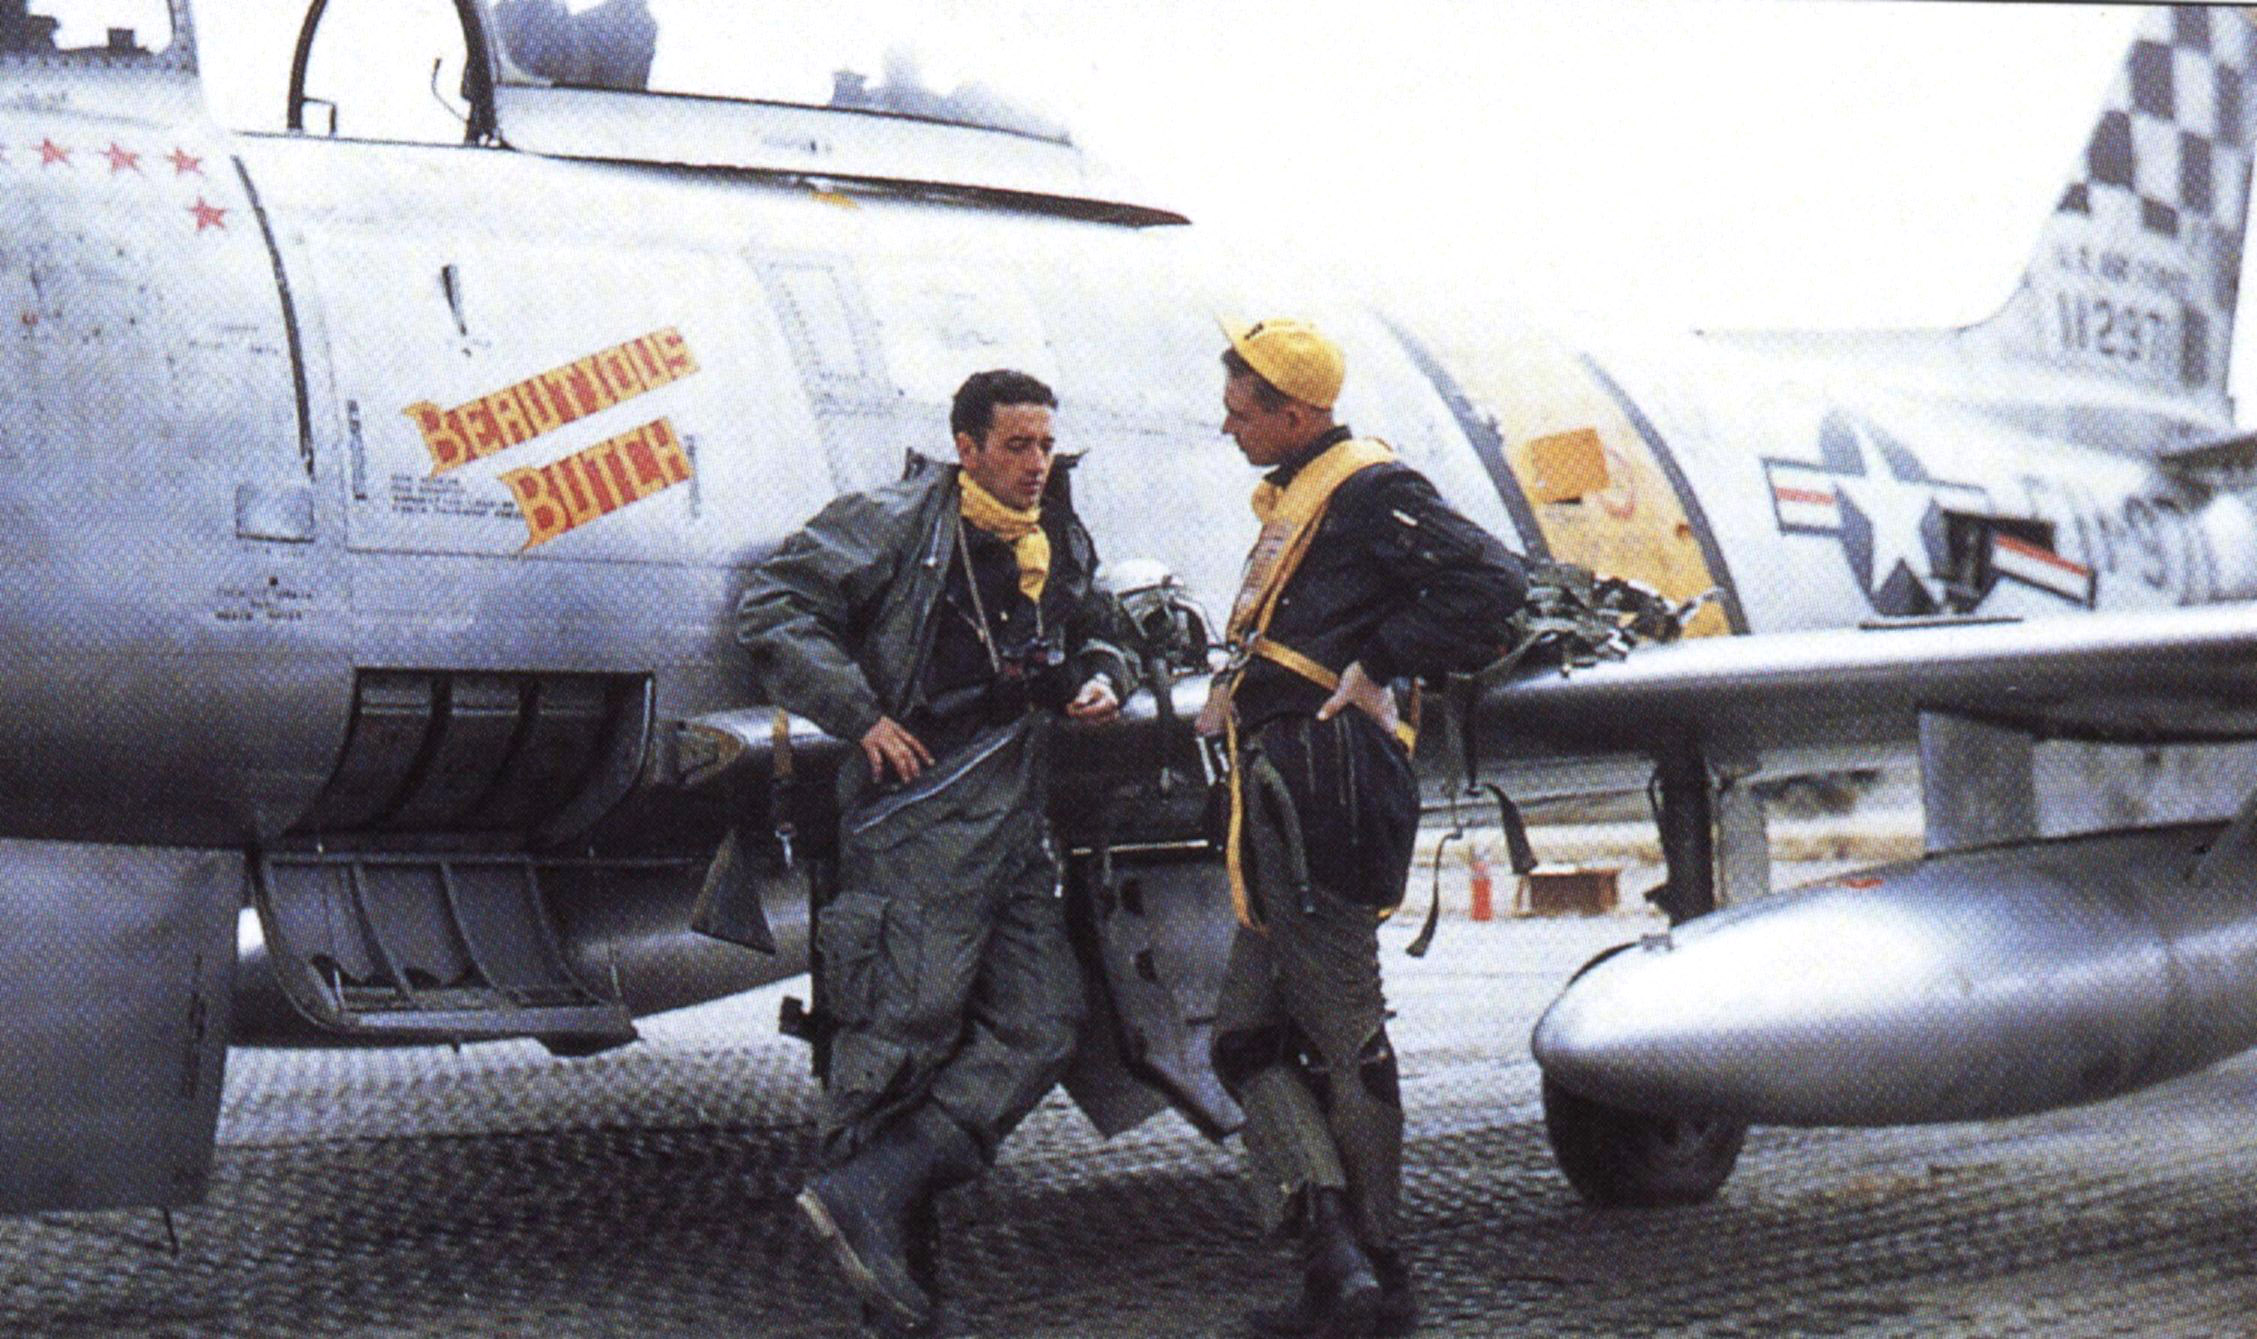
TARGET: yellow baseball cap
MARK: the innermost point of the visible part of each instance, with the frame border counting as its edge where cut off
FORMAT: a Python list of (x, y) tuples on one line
[(1293, 356)]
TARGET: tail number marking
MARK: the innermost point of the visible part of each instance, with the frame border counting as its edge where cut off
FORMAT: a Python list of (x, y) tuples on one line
[(2120, 331)]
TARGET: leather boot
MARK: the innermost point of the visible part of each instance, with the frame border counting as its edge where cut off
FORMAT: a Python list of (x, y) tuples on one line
[(862, 1211), (1397, 1313), (921, 1248), (924, 1243), (1339, 1297)]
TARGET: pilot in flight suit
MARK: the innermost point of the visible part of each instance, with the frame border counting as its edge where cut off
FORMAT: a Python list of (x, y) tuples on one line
[(1362, 579), (941, 622)]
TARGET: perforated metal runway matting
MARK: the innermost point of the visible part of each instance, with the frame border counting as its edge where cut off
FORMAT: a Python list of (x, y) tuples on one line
[(647, 1191)]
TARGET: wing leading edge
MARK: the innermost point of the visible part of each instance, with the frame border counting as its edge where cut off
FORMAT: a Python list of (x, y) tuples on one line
[(2178, 676)]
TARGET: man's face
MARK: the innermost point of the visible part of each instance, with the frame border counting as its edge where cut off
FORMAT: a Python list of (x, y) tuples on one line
[(1264, 435), (1013, 460)]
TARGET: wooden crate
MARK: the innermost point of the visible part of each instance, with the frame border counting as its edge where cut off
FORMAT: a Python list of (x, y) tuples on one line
[(1568, 892)]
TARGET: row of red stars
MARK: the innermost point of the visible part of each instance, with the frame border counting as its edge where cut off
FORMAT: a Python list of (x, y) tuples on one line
[(183, 162)]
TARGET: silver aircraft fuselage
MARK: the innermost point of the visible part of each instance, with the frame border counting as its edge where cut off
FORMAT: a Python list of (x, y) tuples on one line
[(223, 506), (376, 511)]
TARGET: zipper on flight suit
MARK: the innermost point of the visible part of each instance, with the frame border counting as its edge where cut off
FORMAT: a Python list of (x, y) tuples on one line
[(937, 554)]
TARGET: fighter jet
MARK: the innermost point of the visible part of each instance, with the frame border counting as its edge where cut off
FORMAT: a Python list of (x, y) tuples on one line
[(380, 481)]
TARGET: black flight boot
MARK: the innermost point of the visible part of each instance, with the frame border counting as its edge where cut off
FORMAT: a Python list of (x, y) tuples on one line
[(861, 1210), (1340, 1294), (1397, 1313), (924, 1243), (921, 1249), (956, 1159)]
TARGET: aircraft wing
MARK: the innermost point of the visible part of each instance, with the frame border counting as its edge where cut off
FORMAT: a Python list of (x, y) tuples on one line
[(2182, 675), (2171, 676)]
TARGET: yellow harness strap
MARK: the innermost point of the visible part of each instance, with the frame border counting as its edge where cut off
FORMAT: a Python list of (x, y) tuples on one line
[(1290, 517), (1240, 903), (1278, 653)]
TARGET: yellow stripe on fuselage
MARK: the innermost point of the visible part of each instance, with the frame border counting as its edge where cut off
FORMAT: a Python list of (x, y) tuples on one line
[(1548, 407)]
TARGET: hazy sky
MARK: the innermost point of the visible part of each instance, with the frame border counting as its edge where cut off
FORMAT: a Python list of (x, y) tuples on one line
[(1670, 163), (1727, 162)]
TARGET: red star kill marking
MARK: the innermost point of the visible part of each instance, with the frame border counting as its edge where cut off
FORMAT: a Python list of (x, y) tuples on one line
[(51, 153), (208, 215), (184, 162), (121, 160)]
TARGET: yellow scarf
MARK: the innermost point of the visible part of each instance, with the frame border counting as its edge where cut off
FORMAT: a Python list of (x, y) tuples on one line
[(1020, 528)]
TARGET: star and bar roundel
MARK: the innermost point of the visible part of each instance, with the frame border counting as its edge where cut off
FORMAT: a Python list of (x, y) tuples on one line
[(1892, 521)]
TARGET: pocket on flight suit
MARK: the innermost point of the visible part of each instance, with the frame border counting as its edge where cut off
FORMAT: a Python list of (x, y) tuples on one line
[(959, 791), (850, 932), (1357, 800), (1383, 806)]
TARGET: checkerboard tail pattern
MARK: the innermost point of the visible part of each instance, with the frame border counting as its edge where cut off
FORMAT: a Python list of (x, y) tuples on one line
[(2137, 274)]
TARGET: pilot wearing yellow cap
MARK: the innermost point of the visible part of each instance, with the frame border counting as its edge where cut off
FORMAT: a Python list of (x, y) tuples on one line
[(1362, 580)]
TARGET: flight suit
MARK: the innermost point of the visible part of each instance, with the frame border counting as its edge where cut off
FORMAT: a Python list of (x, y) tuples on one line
[(1395, 579), (945, 964)]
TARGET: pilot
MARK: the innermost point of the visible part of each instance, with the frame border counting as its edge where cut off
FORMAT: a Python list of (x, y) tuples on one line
[(941, 623), (1361, 581)]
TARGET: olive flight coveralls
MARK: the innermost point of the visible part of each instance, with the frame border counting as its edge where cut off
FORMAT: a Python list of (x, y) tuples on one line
[(945, 967)]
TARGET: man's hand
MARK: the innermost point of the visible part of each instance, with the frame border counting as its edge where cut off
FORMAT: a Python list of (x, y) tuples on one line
[(1359, 689), (1214, 715), (1095, 702), (886, 744)]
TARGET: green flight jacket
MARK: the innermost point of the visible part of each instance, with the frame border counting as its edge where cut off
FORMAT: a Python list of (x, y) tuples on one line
[(839, 620)]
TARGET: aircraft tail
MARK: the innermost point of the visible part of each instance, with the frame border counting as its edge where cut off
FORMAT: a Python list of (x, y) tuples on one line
[(2137, 273)]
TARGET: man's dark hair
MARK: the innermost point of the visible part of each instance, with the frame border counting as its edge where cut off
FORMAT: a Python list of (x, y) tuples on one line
[(1236, 365), (974, 411)]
